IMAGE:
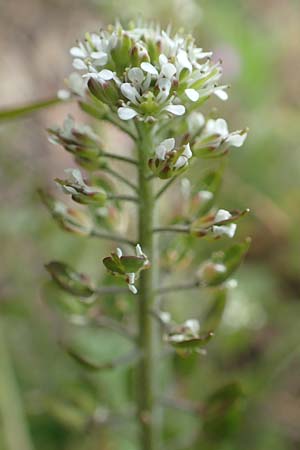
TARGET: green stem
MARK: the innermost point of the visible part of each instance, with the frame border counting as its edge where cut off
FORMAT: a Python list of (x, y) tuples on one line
[(120, 158), (124, 198), (119, 177), (146, 413), (111, 237)]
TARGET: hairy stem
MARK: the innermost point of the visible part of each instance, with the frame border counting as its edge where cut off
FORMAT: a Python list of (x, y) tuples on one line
[(145, 382)]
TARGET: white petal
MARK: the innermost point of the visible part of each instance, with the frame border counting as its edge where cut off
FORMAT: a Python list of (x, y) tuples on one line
[(177, 110), (192, 94), (228, 230), (163, 59), (169, 144), (221, 94), (78, 52), (193, 325), (160, 152), (119, 252), (183, 60), (132, 288), (126, 113), (222, 214), (149, 68), (106, 74), (236, 139), (221, 127), (79, 64), (136, 75), (130, 92), (164, 86), (187, 151), (181, 161), (168, 70)]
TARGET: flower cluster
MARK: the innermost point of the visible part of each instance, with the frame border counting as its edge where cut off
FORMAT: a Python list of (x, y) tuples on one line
[(80, 191), (167, 161), (146, 72), (127, 267), (79, 140)]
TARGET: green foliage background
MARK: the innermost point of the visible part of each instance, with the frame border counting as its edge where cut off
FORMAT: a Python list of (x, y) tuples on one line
[(45, 397)]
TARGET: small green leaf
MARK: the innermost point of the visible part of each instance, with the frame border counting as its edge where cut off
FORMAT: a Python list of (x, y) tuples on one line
[(113, 265), (76, 283), (132, 263)]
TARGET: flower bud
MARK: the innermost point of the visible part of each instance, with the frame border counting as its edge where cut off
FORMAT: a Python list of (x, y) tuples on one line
[(76, 283), (167, 161), (80, 191)]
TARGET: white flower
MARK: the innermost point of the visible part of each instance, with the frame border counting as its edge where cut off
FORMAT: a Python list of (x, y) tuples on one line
[(130, 93), (183, 159), (192, 326), (219, 230), (165, 147), (220, 127)]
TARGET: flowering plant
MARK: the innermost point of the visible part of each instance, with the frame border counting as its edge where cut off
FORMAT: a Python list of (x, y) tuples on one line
[(149, 83)]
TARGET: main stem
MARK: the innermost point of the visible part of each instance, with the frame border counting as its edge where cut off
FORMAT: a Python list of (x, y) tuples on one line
[(146, 413)]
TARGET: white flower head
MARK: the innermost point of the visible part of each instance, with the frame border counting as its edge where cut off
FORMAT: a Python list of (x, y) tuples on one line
[(220, 230), (164, 147)]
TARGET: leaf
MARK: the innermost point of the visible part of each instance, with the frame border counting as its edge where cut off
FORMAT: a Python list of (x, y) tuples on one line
[(113, 265), (123, 265), (15, 113), (76, 283), (132, 263)]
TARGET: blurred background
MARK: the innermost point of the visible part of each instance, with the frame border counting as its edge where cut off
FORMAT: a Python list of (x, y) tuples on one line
[(45, 397)]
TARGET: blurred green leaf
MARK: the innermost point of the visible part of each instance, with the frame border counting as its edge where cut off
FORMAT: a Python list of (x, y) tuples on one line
[(76, 283)]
